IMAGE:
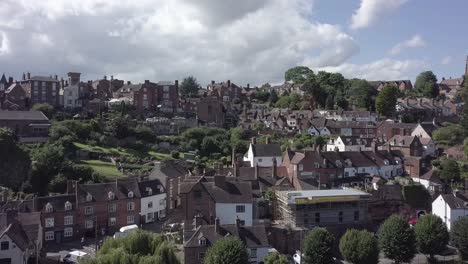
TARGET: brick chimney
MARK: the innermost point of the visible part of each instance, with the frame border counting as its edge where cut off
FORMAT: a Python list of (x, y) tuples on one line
[(28, 75), (229, 83), (129, 82), (112, 77), (220, 181), (273, 169), (10, 80), (257, 170), (216, 225), (24, 76), (197, 221), (105, 77)]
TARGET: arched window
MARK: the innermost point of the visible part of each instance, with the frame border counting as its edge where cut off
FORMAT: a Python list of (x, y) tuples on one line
[(68, 206), (89, 197)]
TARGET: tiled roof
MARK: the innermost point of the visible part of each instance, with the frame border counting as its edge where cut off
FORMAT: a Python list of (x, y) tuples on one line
[(57, 202), (454, 202), (155, 186), (266, 150), (22, 115), (231, 192), (404, 141), (253, 236), (100, 191), (42, 78), (16, 233)]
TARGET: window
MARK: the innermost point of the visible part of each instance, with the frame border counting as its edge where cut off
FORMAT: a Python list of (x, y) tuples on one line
[(49, 222), (49, 235), (5, 245), (162, 202), (36, 84), (301, 167), (150, 205), (317, 218), (43, 84), (201, 255), (340, 217), (226, 98), (112, 208), (49, 208), (317, 166), (166, 96), (68, 232), (166, 89), (253, 253), (130, 219), (202, 241), (112, 221), (145, 97), (68, 206), (356, 215), (130, 194), (110, 196), (89, 210), (54, 86), (89, 197), (89, 223), (130, 206), (68, 220), (240, 208)]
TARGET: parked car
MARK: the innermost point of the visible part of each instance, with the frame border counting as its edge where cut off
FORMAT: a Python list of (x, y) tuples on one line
[(125, 231), (74, 257)]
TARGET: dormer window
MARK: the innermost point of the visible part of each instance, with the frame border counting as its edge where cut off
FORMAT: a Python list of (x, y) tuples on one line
[(202, 241), (68, 206), (149, 191), (49, 208), (111, 195), (130, 194), (89, 197)]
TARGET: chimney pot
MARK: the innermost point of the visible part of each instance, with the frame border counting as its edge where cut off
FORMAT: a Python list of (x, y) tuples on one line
[(129, 82), (105, 77), (28, 75), (212, 82)]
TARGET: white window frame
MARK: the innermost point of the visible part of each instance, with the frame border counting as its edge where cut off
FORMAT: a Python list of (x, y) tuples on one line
[(112, 208), (68, 206), (112, 221), (130, 219), (49, 235), (68, 220), (240, 206), (130, 206), (89, 223), (68, 232), (150, 204), (49, 222), (49, 208), (89, 210)]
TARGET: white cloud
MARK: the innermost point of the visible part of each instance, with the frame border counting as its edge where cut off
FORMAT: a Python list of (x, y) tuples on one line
[(371, 10), (248, 41), (446, 60), (415, 42), (4, 47), (383, 69)]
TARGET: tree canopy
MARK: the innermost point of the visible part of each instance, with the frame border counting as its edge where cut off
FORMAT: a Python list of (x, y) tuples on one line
[(189, 87), (431, 235), (397, 239), (449, 170), (386, 100), (229, 250), (318, 247), (15, 163), (359, 247), (426, 84), (275, 258), (297, 74), (459, 235), (362, 93)]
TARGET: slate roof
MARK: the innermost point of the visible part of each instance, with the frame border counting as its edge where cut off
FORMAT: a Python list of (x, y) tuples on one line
[(231, 192), (167, 169), (454, 202), (57, 202), (266, 150), (22, 115), (402, 141), (432, 176), (155, 185), (253, 236), (42, 78), (356, 140), (16, 233)]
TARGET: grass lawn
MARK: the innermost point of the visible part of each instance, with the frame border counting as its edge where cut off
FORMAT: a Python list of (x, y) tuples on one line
[(123, 151), (105, 169)]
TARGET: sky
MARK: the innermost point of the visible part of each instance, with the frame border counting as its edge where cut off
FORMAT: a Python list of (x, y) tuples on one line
[(245, 41)]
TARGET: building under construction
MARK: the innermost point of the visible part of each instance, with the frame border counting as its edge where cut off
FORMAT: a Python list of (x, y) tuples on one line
[(314, 208)]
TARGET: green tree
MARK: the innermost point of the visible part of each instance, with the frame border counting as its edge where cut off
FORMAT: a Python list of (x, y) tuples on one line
[(452, 134), (359, 247), (189, 87), (386, 100), (48, 162), (431, 235), (298, 74), (119, 126), (144, 133), (426, 84), (273, 97), (318, 246), (275, 258), (459, 235), (15, 163), (362, 93), (229, 250), (449, 170), (397, 240), (46, 109), (463, 94)]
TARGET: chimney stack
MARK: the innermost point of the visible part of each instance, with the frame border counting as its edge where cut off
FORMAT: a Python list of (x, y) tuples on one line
[(197, 221), (229, 83), (24, 76), (257, 170), (220, 181), (28, 75), (129, 82), (62, 82), (112, 77), (10, 80), (248, 86), (216, 225), (212, 82), (273, 169)]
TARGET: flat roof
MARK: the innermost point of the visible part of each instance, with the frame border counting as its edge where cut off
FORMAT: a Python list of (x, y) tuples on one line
[(311, 194), (22, 115)]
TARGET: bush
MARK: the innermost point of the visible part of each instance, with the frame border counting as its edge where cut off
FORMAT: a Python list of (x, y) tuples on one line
[(175, 154), (397, 240), (359, 247)]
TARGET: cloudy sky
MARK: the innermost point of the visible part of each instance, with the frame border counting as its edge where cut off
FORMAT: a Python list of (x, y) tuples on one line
[(246, 41)]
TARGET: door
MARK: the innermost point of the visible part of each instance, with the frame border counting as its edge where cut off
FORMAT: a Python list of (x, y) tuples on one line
[(58, 237)]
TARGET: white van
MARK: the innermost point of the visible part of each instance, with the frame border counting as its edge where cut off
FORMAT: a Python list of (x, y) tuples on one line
[(74, 257), (125, 230)]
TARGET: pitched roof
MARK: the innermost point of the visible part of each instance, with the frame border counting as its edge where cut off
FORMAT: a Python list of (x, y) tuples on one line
[(231, 192), (454, 202), (22, 115), (155, 186), (100, 191), (42, 78), (16, 233), (167, 169), (403, 141), (432, 176), (253, 236), (57, 202), (266, 150)]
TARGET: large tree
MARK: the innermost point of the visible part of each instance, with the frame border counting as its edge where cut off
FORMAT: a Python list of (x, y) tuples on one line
[(15, 163), (229, 250), (359, 247), (48, 162), (298, 74), (189, 87), (362, 93), (426, 84), (431, 235), (459, 235), (449, 170), (397, 239), (275, 258), (385, 102), (318, 247)]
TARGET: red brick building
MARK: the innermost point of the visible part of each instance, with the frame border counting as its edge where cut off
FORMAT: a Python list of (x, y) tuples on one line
[(15, 98), (42, 89), (211, 112)]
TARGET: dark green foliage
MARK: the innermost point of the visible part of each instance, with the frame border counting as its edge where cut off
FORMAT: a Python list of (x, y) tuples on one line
[(449, 170), (78, 130), (386, 100), (452, 134), (229, 250), (189, 87), (273, 97), (144, 133), (206, 140), (261, 96), (359, 247), (175, 154), (397, 240), (275, 258), (297, 74), (416, 196), (46, 109), (318, 246), (289, 101), (119, 126), (362, 94), (15, 163), (426, 84), (48, 162), (459, 236), (431, 235)]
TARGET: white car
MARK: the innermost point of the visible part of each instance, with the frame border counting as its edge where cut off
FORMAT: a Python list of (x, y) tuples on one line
[(74, 257), (297, 257), (125, 231)]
